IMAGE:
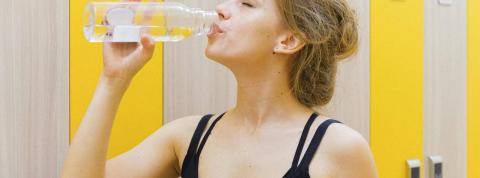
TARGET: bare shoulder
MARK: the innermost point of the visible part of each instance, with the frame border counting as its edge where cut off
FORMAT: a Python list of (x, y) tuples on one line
[(182, 129), (155, 156), (183, 124), (175, 129), (349, 151), (344, 139)]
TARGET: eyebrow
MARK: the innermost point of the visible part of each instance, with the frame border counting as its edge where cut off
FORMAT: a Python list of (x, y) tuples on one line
[(259, 1)]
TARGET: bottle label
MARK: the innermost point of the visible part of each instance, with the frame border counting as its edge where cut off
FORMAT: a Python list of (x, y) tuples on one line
[(126, 33)]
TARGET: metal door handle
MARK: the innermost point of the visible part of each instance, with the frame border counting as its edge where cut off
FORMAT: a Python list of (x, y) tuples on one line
[(436, 164), (413, 168)]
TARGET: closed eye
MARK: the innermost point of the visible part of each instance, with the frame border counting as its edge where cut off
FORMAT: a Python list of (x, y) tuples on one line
[(247, 4)]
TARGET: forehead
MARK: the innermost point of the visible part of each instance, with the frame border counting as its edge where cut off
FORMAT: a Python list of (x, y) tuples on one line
[(266, 2), (270, 5)]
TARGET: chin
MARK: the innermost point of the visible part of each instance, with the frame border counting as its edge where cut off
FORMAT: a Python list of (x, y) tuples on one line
[(219, 56), (214, 54)]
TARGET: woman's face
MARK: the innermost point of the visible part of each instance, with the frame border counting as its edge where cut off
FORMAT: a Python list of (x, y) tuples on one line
[(250, 30)]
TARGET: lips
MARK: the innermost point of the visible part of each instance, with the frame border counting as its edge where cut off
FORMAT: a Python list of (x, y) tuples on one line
[(215, 30)]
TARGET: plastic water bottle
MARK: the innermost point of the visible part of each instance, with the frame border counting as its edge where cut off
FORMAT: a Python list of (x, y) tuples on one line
[(126, 21)]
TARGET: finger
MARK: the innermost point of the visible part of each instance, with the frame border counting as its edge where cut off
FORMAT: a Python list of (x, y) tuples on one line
[(147, 42), (147, 17), (107, 45), (147, 46), (145, 49)]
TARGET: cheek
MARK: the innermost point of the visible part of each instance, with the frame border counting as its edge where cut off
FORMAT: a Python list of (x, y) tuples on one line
[(261, 34), (243, 41)]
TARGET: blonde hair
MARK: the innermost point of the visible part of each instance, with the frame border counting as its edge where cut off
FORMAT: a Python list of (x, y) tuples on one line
[(329, 30)]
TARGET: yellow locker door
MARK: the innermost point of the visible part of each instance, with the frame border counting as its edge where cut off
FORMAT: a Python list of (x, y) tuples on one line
[(396, 84), (473, 94), (140, 112)]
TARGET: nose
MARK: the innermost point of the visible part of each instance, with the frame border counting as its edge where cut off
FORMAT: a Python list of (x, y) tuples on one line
[(222, 11)]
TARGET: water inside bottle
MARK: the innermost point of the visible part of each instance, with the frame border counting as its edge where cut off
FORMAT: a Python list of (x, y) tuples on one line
[(132, 33), (126, 24)]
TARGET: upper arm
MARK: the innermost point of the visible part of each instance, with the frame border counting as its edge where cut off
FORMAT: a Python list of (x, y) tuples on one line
[(153, 157), (351, 153)]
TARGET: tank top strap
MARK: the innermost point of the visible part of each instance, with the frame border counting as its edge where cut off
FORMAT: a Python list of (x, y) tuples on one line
[(301, 143), (209, 131), (316, 140), (192, 148)]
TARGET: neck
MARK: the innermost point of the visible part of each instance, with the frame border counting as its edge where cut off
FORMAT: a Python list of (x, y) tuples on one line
[(264, 98)]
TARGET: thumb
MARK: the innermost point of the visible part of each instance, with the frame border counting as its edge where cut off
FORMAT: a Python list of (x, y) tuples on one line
[(147, 42), (146, 48)]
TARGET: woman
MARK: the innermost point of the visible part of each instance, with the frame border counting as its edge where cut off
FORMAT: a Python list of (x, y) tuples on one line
[(283, 54)]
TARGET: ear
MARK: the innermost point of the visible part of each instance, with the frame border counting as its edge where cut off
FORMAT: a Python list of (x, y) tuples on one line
[(288, 44)]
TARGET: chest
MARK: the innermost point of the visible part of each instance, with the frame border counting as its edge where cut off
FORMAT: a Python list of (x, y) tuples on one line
[(240, 156)]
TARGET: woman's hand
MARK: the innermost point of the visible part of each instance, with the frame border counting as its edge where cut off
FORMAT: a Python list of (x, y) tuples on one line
[(122, 61)]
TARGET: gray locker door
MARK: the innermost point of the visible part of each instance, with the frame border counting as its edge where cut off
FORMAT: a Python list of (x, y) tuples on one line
[(33, 87), (193, 84), (445, 86)]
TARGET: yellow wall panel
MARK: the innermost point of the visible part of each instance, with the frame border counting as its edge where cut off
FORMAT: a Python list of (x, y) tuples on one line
[(397, 38), (473, 111), (140, 112)]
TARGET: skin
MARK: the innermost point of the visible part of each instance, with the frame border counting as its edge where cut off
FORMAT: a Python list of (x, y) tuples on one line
[(256, 138)]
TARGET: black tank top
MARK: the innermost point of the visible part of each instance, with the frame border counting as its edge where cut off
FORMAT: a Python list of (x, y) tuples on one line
[(190, 163)]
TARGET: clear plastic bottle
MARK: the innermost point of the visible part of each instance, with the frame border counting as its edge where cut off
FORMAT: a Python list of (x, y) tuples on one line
[(126, 21)]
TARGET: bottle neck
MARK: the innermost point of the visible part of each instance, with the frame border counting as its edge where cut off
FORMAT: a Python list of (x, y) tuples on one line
[(204, 20)]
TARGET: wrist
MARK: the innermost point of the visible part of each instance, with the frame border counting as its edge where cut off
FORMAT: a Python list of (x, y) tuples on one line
[(115, 82)]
